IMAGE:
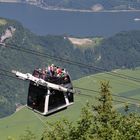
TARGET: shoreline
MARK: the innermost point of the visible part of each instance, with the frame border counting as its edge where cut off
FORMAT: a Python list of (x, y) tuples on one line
[(70, 10), (86, 11)]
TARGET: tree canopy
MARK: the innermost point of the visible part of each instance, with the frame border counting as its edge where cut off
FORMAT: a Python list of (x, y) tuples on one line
[(97, 122)]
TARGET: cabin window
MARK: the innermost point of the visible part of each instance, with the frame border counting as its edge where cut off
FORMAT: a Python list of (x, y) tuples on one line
[(36, 97), (70, 97), (56, 99)]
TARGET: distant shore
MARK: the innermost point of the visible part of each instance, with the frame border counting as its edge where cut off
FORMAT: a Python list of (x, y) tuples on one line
[(68, 9), (84, 10), (9, 1)]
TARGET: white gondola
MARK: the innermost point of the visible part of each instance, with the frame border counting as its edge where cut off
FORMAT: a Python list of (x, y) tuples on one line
[(47, 97)]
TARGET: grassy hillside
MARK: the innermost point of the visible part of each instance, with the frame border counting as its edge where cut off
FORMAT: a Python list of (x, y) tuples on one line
[(85, 43), (15, 124), (2, 22)]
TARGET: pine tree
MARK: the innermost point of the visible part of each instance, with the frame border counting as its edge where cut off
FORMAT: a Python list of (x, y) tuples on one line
[(105, 117), (99, 122), (104, 109)]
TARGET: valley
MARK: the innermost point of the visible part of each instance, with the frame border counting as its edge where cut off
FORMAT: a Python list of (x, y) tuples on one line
[(94, 55), (122, 90), (93, 41)]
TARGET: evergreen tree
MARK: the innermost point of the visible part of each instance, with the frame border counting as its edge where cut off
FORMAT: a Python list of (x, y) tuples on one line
[(105, 117), (99, 122)]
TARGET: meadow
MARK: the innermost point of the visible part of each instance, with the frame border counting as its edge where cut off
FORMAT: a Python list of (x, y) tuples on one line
[(123, 91)]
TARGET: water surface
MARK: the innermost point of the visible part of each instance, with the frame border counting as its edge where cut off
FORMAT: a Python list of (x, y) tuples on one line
[(44, 22)]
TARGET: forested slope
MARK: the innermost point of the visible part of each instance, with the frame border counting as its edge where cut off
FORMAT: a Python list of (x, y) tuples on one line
[(119, 51)]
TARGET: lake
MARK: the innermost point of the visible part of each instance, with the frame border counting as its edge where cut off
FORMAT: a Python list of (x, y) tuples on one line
[(43, 22)]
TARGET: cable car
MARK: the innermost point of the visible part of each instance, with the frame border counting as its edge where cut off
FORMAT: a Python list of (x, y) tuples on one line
[(47, 94)]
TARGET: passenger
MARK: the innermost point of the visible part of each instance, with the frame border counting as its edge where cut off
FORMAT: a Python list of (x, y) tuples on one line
[(36, 73), (31, 102), (52, 65), (59, 72), (49, 71), (43, 74), (55, 71), (64, 71), (66, 79), (52, 69)]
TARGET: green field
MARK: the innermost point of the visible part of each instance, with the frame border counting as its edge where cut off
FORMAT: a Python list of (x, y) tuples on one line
[(17, 123), (2, 21)]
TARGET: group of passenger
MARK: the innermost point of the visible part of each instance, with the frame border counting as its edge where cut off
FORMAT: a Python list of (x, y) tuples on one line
[(53, 70), (52, 74)]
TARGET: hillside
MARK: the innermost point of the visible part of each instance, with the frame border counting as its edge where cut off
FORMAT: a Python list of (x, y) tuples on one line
[(15, 92), (27, 51), (16, 124), (119, 51)]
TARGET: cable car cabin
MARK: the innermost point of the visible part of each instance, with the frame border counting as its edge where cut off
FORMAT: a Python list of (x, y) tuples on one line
[(46, 100)]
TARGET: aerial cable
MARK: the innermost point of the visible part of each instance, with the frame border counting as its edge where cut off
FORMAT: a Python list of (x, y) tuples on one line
[(2, 74), (79, 64), (82, 89), (5, 71), (115, 100), (30, 51), (8, 75), (91, 90), (123, 102), (12, 73), (128, 102), (74, 63), (118, 80)]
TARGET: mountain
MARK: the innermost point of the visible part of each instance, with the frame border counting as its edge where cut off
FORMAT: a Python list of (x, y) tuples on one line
[(14, 92), (120, 51), (26, 51)]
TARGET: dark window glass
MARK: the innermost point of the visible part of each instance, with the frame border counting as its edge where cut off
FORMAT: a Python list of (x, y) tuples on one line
[(56, 99), (36, 97), (70, 97)]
